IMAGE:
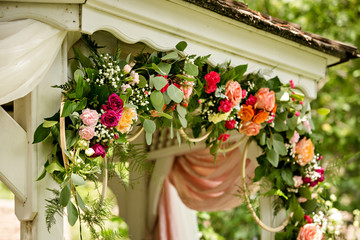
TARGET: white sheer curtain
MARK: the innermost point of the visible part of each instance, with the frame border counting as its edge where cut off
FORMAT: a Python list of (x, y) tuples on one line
[(27, 50)]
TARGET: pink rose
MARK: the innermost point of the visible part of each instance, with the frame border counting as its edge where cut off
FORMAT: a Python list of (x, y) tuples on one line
[(223, 137), (110, 118), (230, 124), (87, 133), (127, 68), (251, 100), (115, 103), (310, 231), (187, 88), (265, 99), (233, 92), (225, 106), (212, 78), (250, 128), (295, 138), (302, 199), (297, 181), (99, 150), (306, 124), (210, 88), (89, 117)]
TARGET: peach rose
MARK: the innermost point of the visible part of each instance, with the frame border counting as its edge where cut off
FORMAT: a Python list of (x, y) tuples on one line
[(87, 133), (310, 231), (304, 151), (297, 181), (246, 113), (126, 120), (260, 117), (233, 92), (250, 128), (265, 99), (187, 89)]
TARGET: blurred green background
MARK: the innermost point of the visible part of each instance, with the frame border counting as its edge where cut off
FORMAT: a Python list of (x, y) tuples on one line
[(340, 129)]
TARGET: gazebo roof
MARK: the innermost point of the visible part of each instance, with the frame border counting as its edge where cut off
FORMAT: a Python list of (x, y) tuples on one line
[(240, 12)]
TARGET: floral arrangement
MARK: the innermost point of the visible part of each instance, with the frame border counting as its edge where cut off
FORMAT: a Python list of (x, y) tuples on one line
[(108, 96)]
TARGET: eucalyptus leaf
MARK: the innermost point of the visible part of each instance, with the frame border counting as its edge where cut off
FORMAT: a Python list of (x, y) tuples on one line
[(171, 55), (72, 213), (164, 67), (157, 100), (149, 126), (142, 81), (273, 157), (81, 202), (159, 82), (191, 69), (77, 180), (181, 110), (183, 122), (164, 115), (175, 94), (181, 46), (148, 137), (167, 99), (65, 195)]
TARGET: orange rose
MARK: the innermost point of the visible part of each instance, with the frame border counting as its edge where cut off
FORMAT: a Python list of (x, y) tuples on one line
[(126, 120), (260, 117), (233, 92), (246, 113), (310, 231), (304, 151), (250, 128), (265, 99)]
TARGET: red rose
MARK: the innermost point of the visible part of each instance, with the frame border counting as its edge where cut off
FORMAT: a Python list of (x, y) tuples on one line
[(230, 124), (225, 106), (210, 88), (251, 100), (110, 118), (212, 78), (115, 103), (308, 218), (99, 150)]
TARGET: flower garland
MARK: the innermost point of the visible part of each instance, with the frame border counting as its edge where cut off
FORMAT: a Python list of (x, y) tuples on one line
[(108, 96)]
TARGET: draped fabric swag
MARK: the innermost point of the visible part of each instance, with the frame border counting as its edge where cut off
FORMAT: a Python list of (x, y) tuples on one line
[(27, 50), (202, 185)]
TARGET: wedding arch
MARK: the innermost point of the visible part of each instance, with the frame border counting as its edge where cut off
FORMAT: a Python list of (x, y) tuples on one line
[(36, 49)]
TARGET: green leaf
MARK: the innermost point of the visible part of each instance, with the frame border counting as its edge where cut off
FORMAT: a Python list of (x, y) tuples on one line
[(181, 110), (178, 137), (54, 166), (48, 124), (81, 105), (278, 144), (159, 82), (175, 94), (183, 122), (80, 88), (65, 195), (287, 175), (305, 192), (78, 74), (274, 84), (77, 180), (164, 115), (149, 126), (72, 213), (262, 138), (142, 81), (71, 138), (181, 46), (164, 67), (43, 174), (259, 173), (171, 55), (201, 60), (166, 98), (272, 157), (157, 100), (158, 70), (148, 137), (239, 72), (280, 126), (41, 133), (191, 69), (81, 202), (309, 205), (323, 111), (292, 122), (67, 109), (85, 61)]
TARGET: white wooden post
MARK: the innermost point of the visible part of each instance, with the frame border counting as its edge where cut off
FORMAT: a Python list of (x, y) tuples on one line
[(22, 162)]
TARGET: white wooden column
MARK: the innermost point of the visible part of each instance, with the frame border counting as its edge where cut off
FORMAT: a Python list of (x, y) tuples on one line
[(22, 162)]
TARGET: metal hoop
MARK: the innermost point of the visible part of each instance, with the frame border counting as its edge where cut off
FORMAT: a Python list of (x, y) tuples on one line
[(247, 198)]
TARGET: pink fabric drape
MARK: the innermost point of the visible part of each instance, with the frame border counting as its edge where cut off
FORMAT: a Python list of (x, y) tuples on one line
[(202, 185)]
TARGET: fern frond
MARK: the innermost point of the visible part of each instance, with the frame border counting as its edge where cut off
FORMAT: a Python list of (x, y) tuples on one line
[(53, 207)]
